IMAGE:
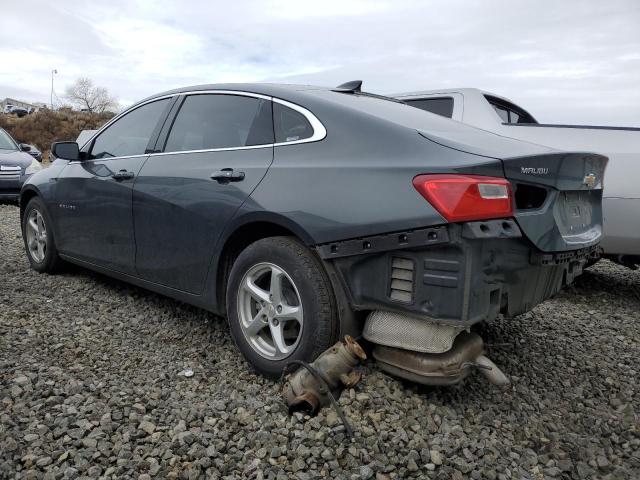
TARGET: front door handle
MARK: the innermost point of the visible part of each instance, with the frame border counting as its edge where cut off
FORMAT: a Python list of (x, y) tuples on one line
[(227, 175), (123, 175)]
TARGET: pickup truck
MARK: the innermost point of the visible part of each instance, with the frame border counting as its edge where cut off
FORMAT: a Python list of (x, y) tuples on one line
[(621, 197)]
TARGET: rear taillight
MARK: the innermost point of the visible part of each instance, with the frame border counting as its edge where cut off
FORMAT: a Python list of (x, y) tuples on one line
[(461, 198)]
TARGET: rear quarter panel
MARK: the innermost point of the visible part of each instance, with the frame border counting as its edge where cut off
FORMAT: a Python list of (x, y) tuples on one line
[(358, 180)]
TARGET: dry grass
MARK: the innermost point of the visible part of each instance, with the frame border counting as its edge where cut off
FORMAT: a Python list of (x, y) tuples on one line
[(45, 127)]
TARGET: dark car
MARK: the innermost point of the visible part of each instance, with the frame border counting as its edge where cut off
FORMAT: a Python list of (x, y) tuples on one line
[(34, 152), (305, 213), (16, 166)]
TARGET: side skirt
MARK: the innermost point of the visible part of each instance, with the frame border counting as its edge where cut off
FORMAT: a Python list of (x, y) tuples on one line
[(199, 301)]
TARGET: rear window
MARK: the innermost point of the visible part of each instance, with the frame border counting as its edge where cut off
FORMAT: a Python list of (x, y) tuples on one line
[(440, 106), (290, 125)]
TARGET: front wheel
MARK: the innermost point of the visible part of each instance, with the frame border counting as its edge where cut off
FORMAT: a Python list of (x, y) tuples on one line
[(280, 305), (37, 233)]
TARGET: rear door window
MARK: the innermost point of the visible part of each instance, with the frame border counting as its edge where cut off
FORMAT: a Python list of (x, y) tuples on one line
[(130, 134), (439, 105), (213, 121), (289, 124)]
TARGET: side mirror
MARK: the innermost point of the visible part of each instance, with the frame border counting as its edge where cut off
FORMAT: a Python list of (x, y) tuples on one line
[(25, 148), (66, 151)]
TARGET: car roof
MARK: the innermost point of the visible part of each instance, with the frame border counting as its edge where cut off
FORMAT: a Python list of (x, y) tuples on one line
[(268, 89)]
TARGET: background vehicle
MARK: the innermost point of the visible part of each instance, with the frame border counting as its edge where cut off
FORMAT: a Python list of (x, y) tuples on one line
[(14, 110), (33, 151), (16, 166), (621, 204), (298, 211)]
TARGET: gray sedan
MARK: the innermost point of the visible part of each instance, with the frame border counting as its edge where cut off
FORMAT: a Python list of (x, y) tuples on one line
[(306, 213)]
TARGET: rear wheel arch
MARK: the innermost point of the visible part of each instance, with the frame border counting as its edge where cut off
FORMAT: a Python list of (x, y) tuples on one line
[(241, 237)]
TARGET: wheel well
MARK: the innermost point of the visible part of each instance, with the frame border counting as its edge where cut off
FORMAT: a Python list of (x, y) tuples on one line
[(236, 243), (24, 200)]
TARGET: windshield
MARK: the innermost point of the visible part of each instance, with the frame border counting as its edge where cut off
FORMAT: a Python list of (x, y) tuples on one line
[(6, 142)]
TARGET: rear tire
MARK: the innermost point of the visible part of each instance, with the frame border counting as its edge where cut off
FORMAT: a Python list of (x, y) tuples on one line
[(280, 305), (37, 233)]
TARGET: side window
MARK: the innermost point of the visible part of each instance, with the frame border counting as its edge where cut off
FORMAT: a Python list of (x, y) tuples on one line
[(290, 125), (211, 121), (130, 134), (440, 106)]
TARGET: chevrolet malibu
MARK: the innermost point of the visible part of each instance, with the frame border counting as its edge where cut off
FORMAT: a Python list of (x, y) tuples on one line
[(304, 213)]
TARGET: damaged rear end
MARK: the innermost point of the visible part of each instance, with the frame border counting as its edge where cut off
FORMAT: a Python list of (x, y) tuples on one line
[(508, 244)]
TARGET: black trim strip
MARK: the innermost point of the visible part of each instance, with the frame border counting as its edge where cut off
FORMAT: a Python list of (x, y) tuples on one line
[(585, 127), (384, 242)]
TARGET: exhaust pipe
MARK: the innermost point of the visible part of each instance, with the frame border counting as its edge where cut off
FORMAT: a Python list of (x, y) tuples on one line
[(445, 368), (321, 382)]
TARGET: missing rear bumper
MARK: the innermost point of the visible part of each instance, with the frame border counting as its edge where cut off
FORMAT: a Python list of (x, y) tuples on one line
[(483, 269)]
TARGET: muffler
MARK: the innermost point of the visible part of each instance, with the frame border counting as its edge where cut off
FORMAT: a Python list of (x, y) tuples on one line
[(447, 368), (317, 384)]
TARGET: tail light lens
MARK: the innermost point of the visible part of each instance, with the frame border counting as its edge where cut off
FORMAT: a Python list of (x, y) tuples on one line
[(461, 198)]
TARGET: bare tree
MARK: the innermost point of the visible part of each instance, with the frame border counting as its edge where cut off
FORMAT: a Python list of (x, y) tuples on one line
[(85, 96)]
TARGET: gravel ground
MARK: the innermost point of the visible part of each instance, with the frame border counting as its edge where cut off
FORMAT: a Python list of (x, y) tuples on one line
[(91, 387)]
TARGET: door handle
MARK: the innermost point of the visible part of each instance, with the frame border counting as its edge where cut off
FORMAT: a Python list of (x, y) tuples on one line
[(123, 175), (227, 175)]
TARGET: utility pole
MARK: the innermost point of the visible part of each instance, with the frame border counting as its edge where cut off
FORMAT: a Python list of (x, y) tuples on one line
[(53, 72)]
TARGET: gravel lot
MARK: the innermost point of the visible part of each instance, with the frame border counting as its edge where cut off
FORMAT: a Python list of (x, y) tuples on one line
[(91, 387)]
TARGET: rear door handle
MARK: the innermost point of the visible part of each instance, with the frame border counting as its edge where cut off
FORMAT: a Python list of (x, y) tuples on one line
[(227, 175), (123, 175)]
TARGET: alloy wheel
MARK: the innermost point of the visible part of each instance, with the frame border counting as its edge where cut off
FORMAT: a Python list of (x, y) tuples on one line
[(36, 231), (270, 311)]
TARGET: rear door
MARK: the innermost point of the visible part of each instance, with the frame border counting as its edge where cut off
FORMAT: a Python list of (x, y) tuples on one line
[(216, 151), (93, 196)]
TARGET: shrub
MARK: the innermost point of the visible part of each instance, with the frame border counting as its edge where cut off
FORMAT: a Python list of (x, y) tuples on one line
[(45, 127)]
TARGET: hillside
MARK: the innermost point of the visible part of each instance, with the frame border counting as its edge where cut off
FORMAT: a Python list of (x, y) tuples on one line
[(45, 127)]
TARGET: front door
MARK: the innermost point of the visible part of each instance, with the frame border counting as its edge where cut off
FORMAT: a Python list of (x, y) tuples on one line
[(218, 150), (94, 196)]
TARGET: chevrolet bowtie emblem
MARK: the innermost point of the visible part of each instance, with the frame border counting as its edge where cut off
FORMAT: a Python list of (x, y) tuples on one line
[(590, 180)]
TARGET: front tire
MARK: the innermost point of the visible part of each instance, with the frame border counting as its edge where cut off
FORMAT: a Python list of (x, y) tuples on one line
[(280, 305), (37, 232)]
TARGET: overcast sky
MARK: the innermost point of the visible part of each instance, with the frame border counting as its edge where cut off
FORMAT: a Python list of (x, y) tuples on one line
[(564, 61)]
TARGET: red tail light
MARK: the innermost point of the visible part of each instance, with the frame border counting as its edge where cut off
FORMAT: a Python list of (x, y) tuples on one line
[(461, 198)]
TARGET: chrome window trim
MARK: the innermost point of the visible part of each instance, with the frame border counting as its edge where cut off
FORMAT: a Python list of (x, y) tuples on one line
[(223, 149), (319, 130), (227, 92), (122, 114)]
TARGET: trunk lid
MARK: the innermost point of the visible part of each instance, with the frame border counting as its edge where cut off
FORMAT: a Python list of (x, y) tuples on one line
[(558, 198), (558, 193)]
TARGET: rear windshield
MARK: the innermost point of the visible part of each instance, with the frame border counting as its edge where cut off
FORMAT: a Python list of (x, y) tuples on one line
[(6, 142)]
